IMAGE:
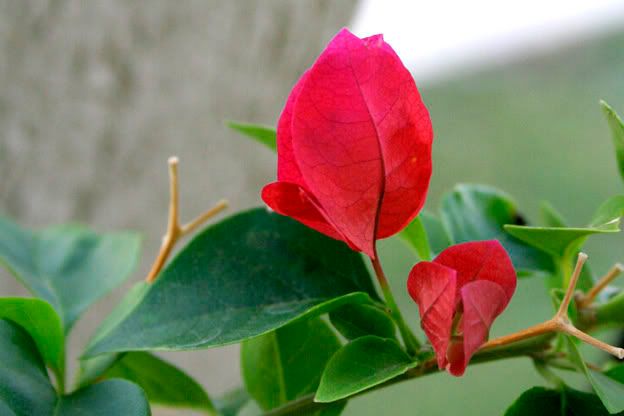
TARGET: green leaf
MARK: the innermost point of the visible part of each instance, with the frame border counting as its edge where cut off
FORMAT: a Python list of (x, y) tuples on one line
[(26, 390), (609, 390), (245, 276), (617, 133), (42, 323), (477, 212), (360, 365), (437, 236), (70, 267), (231, 403), (415, 236), (163, 383), (539, 401), (287, 363), (608, 215), (551, 216), (264, 135), (92, 368), (354, 321)]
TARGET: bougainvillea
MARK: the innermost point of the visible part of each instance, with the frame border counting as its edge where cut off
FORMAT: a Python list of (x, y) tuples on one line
[(353, 145)]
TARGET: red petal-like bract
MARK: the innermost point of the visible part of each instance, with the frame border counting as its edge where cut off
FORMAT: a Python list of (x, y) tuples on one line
[(467, 286), (355, 138)]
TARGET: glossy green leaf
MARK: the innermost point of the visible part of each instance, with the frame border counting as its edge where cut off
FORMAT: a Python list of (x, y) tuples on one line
[(26, 390), (287, 363), (539, 401), (163, 383), (70, 266), (92, 368), (608, 215), (42, 323), (354, 321), (617, 133), (360, 365), (264, 135), (415, 236), (477, 212), (609, 390), (245, 276)]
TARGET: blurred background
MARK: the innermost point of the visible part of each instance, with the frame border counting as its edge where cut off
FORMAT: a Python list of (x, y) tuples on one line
[(95, 96)]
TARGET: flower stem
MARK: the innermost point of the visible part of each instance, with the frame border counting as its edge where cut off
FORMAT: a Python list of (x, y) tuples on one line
[(412, 344), (604, 281)]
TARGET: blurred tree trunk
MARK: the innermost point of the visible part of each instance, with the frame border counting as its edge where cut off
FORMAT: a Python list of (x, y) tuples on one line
[(94, 96)]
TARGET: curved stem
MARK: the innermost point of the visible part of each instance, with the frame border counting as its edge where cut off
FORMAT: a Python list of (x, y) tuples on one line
[(411, 342)]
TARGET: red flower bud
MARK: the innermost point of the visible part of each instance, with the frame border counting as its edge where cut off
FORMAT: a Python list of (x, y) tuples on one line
[(459, 294), (354, 145)]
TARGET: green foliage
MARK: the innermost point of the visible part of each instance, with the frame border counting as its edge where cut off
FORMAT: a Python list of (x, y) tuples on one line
[(366, 362), (609, 390), (477, 212), (70, 267), (354, 321), (264, 135), (26, 390), (287, 363), (163, 383), (240, 278), (42, 323), (617, 133), (231, 403), (539, 401), (415, 235)]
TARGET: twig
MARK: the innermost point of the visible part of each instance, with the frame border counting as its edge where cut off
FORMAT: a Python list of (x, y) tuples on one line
[(175, 231), (604, 281)]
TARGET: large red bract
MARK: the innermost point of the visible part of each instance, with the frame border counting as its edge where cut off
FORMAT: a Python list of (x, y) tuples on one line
[(459, 294), (354, 145)]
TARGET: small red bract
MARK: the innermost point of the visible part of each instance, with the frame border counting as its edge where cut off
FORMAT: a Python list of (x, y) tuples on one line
[(354, 145), (459, 294)]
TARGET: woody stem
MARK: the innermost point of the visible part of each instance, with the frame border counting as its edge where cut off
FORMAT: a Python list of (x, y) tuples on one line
[(411, 342)]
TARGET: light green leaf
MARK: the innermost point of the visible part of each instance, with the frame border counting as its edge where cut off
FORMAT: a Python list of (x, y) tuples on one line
[(477, 212), (609, 390), (354, 321), (264, 135), (551, 216), (608, 215), (245, 276), (437, 236), (42, 323), (70, 267), (26, 390), (617, 133), (415, 236), (231, 403), (360, 365), (539, 401), (163, 383), (287, 363)]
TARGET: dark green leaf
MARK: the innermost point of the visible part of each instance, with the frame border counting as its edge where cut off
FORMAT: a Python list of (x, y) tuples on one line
[(609, 390), (163, 383), (539, 401), (617, 133), (24, 384), (232, 402), (415, 236), (354, 321), (42, 323), (25, 389), (287, 363), (243, 277), (92, 368), (261, 134), (111, 397), (477, 212), (360, 365), (70, 267)]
